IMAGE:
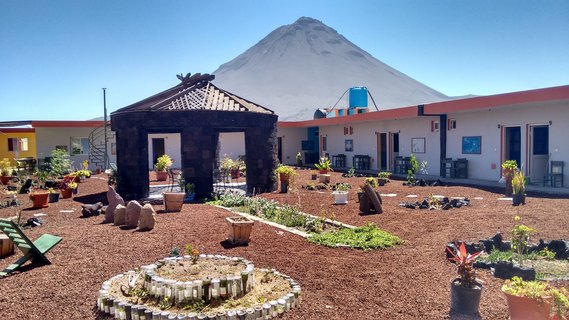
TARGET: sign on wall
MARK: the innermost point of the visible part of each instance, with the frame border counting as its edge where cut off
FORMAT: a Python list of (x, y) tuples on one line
[(472, 145), (418, 145)]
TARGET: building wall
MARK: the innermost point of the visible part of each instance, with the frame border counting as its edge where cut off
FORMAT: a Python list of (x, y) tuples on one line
[(485, 123), (232, 144), (50, 137), (172, 147), (365, 135), (291, 143), (4, 153)]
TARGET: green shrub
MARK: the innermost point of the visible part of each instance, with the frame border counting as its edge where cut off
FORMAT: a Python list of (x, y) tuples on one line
[(60, 163), (366, 238)]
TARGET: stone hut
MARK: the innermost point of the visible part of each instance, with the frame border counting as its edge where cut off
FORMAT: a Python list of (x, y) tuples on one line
[(199, 111)]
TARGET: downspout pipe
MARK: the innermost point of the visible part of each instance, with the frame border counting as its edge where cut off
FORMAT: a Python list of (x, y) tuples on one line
[(442, 131)]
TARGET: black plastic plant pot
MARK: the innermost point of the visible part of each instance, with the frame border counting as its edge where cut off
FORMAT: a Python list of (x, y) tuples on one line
[(284, 187), (518, 199), (53, 197), (464, 300)]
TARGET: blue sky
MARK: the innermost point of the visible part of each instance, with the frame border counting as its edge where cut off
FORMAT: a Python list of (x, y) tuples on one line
[(55, 56)]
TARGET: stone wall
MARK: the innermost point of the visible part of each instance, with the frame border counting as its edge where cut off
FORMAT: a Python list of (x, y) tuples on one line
[(199, 131)]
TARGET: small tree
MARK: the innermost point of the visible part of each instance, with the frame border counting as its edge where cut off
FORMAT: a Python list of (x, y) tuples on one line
[(60, 163), (413, 170)]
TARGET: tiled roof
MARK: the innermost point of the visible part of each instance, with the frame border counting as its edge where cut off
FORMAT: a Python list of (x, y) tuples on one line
[(195, 93)]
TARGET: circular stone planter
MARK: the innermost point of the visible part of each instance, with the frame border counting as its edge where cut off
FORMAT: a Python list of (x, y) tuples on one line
[(236, 286)]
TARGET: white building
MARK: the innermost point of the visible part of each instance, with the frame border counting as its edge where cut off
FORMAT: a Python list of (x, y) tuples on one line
[(528, 126)]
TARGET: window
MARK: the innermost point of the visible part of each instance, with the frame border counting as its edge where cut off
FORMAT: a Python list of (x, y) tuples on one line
[(349, 145), (79, 146), (324, 144), (451, 124), (435, 126), (17, 144)]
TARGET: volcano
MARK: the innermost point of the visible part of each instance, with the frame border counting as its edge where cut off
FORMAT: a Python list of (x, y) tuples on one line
[(306, 65)]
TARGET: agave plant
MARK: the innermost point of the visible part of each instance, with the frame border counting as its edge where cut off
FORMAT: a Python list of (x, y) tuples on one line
[(465, 260)]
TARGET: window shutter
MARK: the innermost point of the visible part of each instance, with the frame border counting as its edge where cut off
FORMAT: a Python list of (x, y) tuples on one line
[(10, 144)]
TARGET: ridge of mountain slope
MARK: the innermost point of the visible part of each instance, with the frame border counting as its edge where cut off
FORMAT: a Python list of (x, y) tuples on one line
[(306, 65)]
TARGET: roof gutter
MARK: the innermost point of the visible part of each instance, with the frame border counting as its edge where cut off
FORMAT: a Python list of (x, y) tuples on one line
[(442, 130)]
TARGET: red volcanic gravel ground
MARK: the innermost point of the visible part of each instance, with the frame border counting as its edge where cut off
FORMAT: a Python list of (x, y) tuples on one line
[(406, 282)]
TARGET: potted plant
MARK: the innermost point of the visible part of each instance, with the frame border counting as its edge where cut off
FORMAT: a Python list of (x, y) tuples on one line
[(66, 187), (324, 166), (239, 229), (39, 198), (189, 190), (299, 159), (313, 174), (231, 167), (285, 174), (5, 171), (465, 291), (509, 168), (162, 164), (53, 195), (518, 189), (173, 201), (383, 177), (341, 193), (533, 299)]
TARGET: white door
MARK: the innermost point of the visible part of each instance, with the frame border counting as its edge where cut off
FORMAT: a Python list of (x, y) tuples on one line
[(538, 152)]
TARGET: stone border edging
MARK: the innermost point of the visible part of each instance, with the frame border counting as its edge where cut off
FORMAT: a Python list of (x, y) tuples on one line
[(289, 229), (127, 311)]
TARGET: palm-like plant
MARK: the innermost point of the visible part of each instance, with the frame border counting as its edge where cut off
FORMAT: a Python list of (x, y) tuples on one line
[(467, 274)]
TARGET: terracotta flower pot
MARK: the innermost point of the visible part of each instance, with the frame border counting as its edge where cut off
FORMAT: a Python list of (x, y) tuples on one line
[(523, 308), (284, 177), (324, 171), (161, 175), (5, 179), (66, 193), (239, 229), (39, 200), (173, 201), (234, 173)]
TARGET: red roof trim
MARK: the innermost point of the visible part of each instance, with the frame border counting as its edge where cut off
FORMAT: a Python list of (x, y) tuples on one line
[(483, 102), (16, 130), (499, 100), (406, 112), (68, 124)]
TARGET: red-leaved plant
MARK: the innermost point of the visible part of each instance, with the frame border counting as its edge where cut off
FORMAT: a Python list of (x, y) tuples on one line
[(464, 268)]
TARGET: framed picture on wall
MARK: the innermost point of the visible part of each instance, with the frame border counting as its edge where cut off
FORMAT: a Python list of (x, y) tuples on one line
[(349, 145), (418, 145), (472, 145)]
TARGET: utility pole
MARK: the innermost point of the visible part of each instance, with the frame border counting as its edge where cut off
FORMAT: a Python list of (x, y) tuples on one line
[(105, 121)]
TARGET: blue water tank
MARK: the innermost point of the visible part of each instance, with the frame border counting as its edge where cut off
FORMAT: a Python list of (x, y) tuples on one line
[(358, 97)]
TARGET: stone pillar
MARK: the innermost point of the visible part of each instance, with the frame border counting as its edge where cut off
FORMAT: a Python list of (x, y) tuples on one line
[(198, 154), (261, 159), (132, 162)]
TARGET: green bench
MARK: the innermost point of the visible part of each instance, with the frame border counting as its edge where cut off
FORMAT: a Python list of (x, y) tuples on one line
[(34, 251)]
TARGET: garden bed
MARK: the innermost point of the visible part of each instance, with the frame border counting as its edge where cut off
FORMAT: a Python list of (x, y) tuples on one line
[(409, 282), (166, 289)]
